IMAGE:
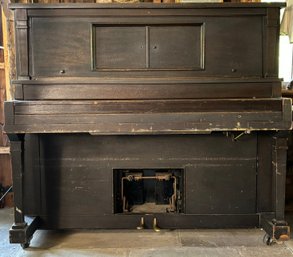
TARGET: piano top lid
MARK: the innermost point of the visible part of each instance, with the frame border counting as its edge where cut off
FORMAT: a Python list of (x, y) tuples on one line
[(145, 5)]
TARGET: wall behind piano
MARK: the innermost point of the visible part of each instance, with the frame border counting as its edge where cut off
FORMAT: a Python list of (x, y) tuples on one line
[(5, 165)]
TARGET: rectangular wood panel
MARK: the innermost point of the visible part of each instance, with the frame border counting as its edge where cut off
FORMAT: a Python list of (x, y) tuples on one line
[(176, 47), (173, 90), (148, 47), (162, 47), (120, 47), (68, 176), (64, 44)]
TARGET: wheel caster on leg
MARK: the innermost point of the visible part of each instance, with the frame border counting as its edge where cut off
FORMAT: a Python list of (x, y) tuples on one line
[(268, 240), (277, 231), (22, 234), (25, 245)]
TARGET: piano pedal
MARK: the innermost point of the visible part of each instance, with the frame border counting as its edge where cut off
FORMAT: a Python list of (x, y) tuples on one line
[(155, 225), (141, 224)]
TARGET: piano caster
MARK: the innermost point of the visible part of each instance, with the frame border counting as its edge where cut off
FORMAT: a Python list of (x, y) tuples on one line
[(25, 245), (141, 225), (155, 226), (277, 231)]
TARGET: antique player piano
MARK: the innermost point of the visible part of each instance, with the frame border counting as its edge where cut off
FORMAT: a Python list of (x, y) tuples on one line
[(147, 116)]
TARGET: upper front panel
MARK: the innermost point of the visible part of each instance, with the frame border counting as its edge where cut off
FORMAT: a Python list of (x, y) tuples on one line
[(183, 46)]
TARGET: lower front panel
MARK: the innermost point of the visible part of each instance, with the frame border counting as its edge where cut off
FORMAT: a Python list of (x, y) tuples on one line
[(85, 181)]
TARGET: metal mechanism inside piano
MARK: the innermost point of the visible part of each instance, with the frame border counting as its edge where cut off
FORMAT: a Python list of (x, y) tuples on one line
[(148, 116)]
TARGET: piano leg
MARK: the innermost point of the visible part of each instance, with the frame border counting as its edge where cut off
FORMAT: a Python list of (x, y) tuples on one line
[(24, 227), (276, 230), (23, 233), (274, 223)]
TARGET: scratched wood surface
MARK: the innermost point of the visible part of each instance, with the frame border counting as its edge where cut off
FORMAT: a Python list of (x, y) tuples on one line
[(90, 64), (82, 122)]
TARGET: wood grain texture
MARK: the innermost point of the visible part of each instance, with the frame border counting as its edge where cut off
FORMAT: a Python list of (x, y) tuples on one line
[(93, 167), (95, 100), (148, 116), (145, 106), (134, 89), (115, 52)]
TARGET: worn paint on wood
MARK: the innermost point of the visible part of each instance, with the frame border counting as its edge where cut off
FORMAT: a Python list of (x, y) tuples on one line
[(79, 116)]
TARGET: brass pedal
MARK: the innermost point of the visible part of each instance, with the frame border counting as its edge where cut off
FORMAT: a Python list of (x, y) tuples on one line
[(141, 225), (155, 225)]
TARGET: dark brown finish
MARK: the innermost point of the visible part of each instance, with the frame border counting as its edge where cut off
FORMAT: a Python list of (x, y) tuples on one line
[(121, 117), (193, 154), (121, 47), (142, 48), (271, 45), (149, 47), (279, 175), (21, 36), (137, 89), (188, 90), (264, 182), (17, 166)]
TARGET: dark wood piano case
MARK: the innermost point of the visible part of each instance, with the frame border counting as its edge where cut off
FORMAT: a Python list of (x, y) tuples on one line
[(145, 115)]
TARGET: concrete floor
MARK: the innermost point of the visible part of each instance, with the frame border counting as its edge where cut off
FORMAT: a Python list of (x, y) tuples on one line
[(110, 243)]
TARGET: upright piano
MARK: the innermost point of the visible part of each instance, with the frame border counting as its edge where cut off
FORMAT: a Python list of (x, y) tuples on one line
[(137, 116)]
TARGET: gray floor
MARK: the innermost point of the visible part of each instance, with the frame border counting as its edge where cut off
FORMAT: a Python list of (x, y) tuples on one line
[(97, 243)]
